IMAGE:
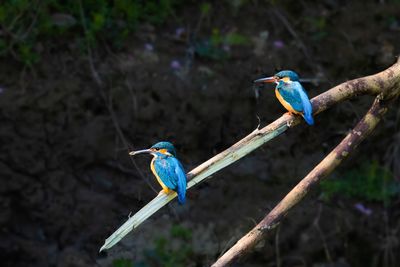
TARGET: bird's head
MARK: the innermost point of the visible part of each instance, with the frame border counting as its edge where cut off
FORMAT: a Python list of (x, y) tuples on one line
[(284, 75), (165, 148)]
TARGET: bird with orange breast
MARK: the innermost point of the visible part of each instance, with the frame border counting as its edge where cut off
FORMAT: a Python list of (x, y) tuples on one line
[(167, 168), (291, 94)]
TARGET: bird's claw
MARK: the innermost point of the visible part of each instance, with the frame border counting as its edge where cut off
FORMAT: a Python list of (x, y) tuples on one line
[(289, 123)]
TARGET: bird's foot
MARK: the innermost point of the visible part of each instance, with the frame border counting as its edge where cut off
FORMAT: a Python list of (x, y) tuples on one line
[(290, 122), (164, 191)]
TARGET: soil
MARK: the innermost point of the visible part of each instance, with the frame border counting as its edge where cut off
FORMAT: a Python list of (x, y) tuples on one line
[(68, 182)]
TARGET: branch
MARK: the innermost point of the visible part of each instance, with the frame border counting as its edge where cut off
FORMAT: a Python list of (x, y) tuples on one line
[(325, 167), (374, 84)]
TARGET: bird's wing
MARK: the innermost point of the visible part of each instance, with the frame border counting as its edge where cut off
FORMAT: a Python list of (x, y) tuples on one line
[(165, 169), (291, 95), (307, 108), (172, 174)]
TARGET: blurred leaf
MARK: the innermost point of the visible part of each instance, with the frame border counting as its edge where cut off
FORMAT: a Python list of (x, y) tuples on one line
[(216, 38), (98, 22), (28, 56), (122, 263), (2, 14), (205, 8), (236, 39), (111, 21), (370, 182), (181, 232)]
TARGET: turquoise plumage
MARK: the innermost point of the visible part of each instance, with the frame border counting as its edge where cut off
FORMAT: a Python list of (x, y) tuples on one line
[(171, 173), (291, 94), (167, 168)]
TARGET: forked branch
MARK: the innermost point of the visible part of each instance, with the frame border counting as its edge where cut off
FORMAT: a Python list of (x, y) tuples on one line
[(384, 83), (325, 167), (387, 87)]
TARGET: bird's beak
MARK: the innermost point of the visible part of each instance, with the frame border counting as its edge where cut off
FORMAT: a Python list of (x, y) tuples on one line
[(133, 153), (266, 80)]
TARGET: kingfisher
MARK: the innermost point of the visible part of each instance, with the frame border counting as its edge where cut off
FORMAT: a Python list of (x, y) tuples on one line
[(167, 168), (291, 94)]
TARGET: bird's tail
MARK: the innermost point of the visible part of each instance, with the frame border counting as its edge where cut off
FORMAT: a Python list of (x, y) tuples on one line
[(308, 118), (182, 191), (181, 182)]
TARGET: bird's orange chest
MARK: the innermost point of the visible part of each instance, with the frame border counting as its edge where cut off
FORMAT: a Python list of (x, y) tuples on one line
[(164, 187), (285, 103)]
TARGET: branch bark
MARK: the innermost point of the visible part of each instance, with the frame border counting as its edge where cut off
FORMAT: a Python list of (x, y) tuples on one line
[(384, 83), (387, 85), (325, 167)]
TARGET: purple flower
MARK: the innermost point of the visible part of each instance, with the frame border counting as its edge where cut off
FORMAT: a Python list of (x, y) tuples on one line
[(148, 47), (279, 44), (175, 65), (364, 210)]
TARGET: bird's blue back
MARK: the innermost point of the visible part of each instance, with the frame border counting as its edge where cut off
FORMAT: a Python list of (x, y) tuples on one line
[(296, 96), (172, 174)]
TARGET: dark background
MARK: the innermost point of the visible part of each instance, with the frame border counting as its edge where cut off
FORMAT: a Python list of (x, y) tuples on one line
[(82, 83)]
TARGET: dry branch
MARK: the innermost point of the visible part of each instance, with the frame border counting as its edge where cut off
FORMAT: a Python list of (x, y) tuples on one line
[(325, 167), (387, 85), (383, 82)]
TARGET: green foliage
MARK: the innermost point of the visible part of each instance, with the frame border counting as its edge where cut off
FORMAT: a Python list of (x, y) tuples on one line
[(122, 263), (181, 232), (370, 182), (233, 38), (27, 54), (165, 253), (205, 9), (27, 23), (216, 46)]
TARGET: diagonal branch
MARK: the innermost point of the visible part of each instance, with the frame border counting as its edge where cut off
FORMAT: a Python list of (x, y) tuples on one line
[(384, 82), (325, 167)]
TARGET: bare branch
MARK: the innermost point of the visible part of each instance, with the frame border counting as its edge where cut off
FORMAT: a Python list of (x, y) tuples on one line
[(325, 167), (385, 82)]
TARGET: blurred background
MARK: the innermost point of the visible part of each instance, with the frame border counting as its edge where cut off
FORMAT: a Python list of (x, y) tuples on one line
[(84, 82)]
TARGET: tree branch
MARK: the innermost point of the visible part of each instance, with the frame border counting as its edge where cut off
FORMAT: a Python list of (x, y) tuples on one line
[(384, 82), (325, 167)]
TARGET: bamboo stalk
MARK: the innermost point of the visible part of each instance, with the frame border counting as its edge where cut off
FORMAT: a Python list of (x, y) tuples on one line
[(251, 142)]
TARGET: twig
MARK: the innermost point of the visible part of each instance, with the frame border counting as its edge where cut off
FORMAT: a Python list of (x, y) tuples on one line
[(107, 101), (384, 82), (285, 22), (321, 234), (303, 47)]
